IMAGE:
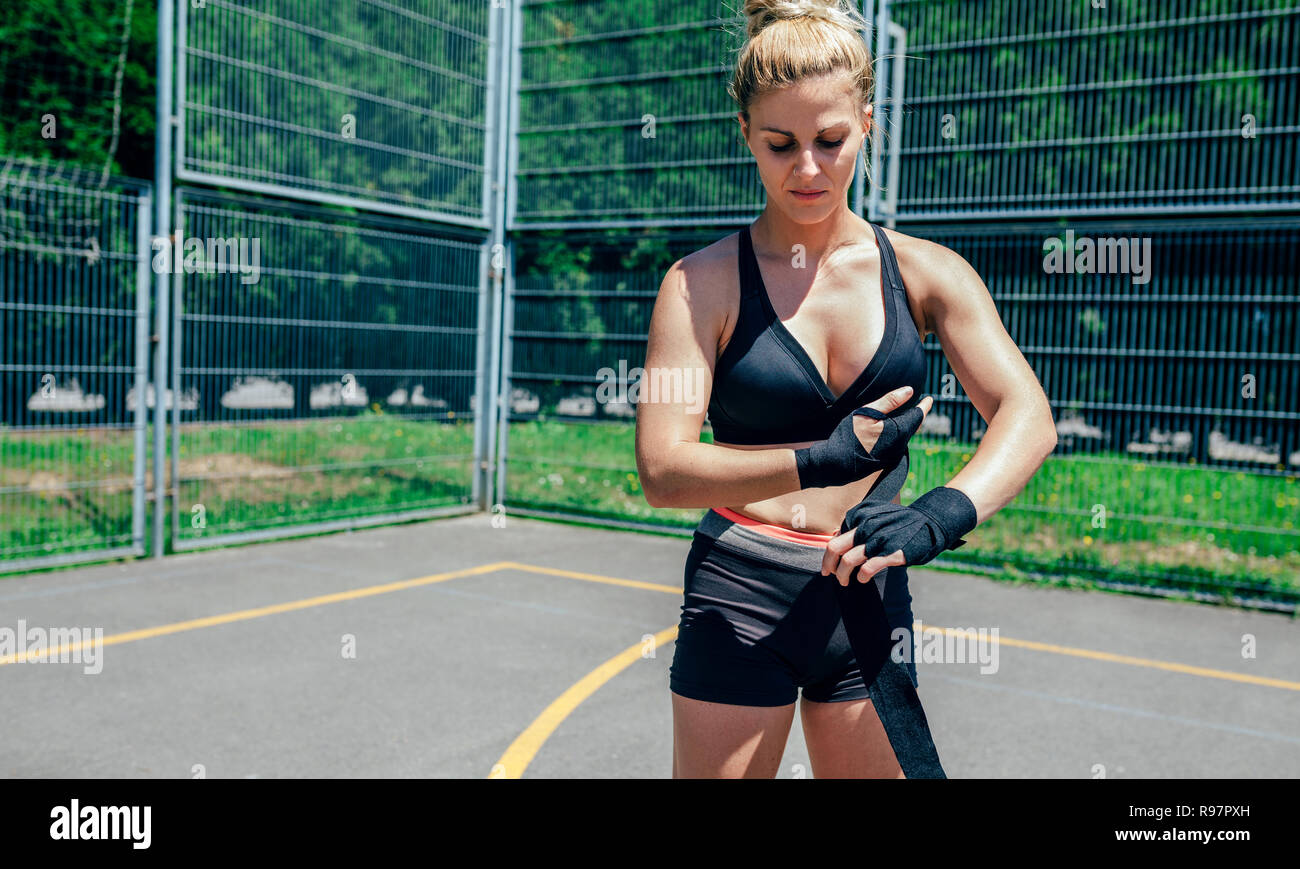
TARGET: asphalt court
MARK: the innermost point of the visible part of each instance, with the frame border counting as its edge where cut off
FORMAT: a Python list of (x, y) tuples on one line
[(541, 650)]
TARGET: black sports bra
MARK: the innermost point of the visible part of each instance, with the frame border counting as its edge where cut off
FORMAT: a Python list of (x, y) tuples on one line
[(766, 389)]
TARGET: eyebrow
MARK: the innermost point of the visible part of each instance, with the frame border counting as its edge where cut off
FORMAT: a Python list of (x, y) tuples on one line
[(792, 135)]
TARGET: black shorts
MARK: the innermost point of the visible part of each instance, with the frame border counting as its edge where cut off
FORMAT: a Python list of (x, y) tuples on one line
[(759, 621)]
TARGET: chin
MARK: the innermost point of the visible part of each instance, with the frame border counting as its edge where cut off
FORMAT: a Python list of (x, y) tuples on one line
[(808, 216)]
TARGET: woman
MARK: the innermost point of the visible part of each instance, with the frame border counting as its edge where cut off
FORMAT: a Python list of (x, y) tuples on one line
[(810, 322)]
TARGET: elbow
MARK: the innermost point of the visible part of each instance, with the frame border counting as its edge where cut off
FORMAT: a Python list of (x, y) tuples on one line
[(652, 486), (1051, 438), (1041, 426), (657, 495), (656, 498)]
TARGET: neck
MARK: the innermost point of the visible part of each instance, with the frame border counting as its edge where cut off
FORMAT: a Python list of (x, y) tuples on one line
[(775, 231)]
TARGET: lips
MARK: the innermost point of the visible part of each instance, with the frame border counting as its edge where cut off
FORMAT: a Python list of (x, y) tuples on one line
[(803, 195)]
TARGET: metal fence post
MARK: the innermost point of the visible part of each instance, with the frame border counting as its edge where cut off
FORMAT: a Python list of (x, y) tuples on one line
[(898, 37), (507, 326), (176, 287), (498, 404), (881, 23), (860, 178), (144, 286), (483, 387), (162, 230)]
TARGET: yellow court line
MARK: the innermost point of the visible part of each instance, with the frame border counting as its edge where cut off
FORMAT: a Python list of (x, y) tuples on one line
[(355, 594), (1127, 659), (591, 577), (525, 747), (257, 612), (1072, 651)]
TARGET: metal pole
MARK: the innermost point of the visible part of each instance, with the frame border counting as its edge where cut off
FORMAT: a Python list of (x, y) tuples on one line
[(498, 264), (504, 404), (482, 387), (489, 283), (860, 169), (508, 306), (143, 285), (897, 66), (177, 308), (882, 36), (512, 96), (498, 405), (162, 170), (493, 93)]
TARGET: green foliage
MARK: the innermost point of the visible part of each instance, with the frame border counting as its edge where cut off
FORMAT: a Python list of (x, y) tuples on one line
[(60, 57)]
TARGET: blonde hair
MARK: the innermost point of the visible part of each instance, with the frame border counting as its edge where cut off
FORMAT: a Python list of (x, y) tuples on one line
[(787, 40)]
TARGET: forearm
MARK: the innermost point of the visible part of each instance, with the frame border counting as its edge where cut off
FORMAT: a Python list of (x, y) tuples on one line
[(1020, 437), (706, 475)]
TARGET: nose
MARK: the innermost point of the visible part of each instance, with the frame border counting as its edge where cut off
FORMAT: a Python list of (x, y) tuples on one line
[(806, 165)]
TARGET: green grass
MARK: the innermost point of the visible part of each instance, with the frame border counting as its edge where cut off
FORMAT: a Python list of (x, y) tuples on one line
[(247, 478), (233, 478), (1106, 517)]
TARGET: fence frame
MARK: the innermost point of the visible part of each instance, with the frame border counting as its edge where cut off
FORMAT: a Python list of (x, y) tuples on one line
[(142, 191), (172, 42), (483, 221), (1071, 208), (483, 342)]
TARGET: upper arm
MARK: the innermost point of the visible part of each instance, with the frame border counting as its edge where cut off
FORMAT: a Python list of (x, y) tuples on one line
[(681, 353), (960, 311)]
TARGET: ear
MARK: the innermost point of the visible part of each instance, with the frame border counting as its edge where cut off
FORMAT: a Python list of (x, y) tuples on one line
[(744, 125), (866, 118)]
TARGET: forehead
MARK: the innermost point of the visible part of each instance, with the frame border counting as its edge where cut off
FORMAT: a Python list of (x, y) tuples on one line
[(814, 103)]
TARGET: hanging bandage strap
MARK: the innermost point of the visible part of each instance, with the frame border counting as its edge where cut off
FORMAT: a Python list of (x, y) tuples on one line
[(890, 687)]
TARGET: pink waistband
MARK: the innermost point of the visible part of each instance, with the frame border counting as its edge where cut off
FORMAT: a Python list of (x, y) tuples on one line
[(808, 538)]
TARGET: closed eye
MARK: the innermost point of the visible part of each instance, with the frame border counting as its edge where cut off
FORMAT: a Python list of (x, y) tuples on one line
[(790, 145)]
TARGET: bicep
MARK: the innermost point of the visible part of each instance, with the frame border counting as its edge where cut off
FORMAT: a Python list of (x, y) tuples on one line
[(987, 363), (677, 380)]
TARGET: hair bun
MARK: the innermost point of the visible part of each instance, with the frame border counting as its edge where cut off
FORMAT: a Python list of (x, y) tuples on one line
[(761, 13)]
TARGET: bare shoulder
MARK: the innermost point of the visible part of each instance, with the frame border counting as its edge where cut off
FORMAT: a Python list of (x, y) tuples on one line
[(934, 275), (708, 282), (712, 266)]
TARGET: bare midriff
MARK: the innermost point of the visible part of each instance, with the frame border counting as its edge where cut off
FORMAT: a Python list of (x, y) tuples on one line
[(817, 511)]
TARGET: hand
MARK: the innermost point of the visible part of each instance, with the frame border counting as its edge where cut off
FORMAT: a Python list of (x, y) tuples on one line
[(875, 536), (845, 556), (858, 447)]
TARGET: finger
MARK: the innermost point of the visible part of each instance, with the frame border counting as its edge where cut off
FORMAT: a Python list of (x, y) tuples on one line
[(829, 562), (872, 566), (835, 547), (891, 400), (926, 404), (851, 559)]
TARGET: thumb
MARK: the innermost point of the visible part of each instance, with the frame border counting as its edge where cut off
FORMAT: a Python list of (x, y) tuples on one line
[(891, 400)]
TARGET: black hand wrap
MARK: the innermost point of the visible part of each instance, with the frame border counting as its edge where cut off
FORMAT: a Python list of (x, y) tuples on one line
[(841, 459), (932, 523)]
